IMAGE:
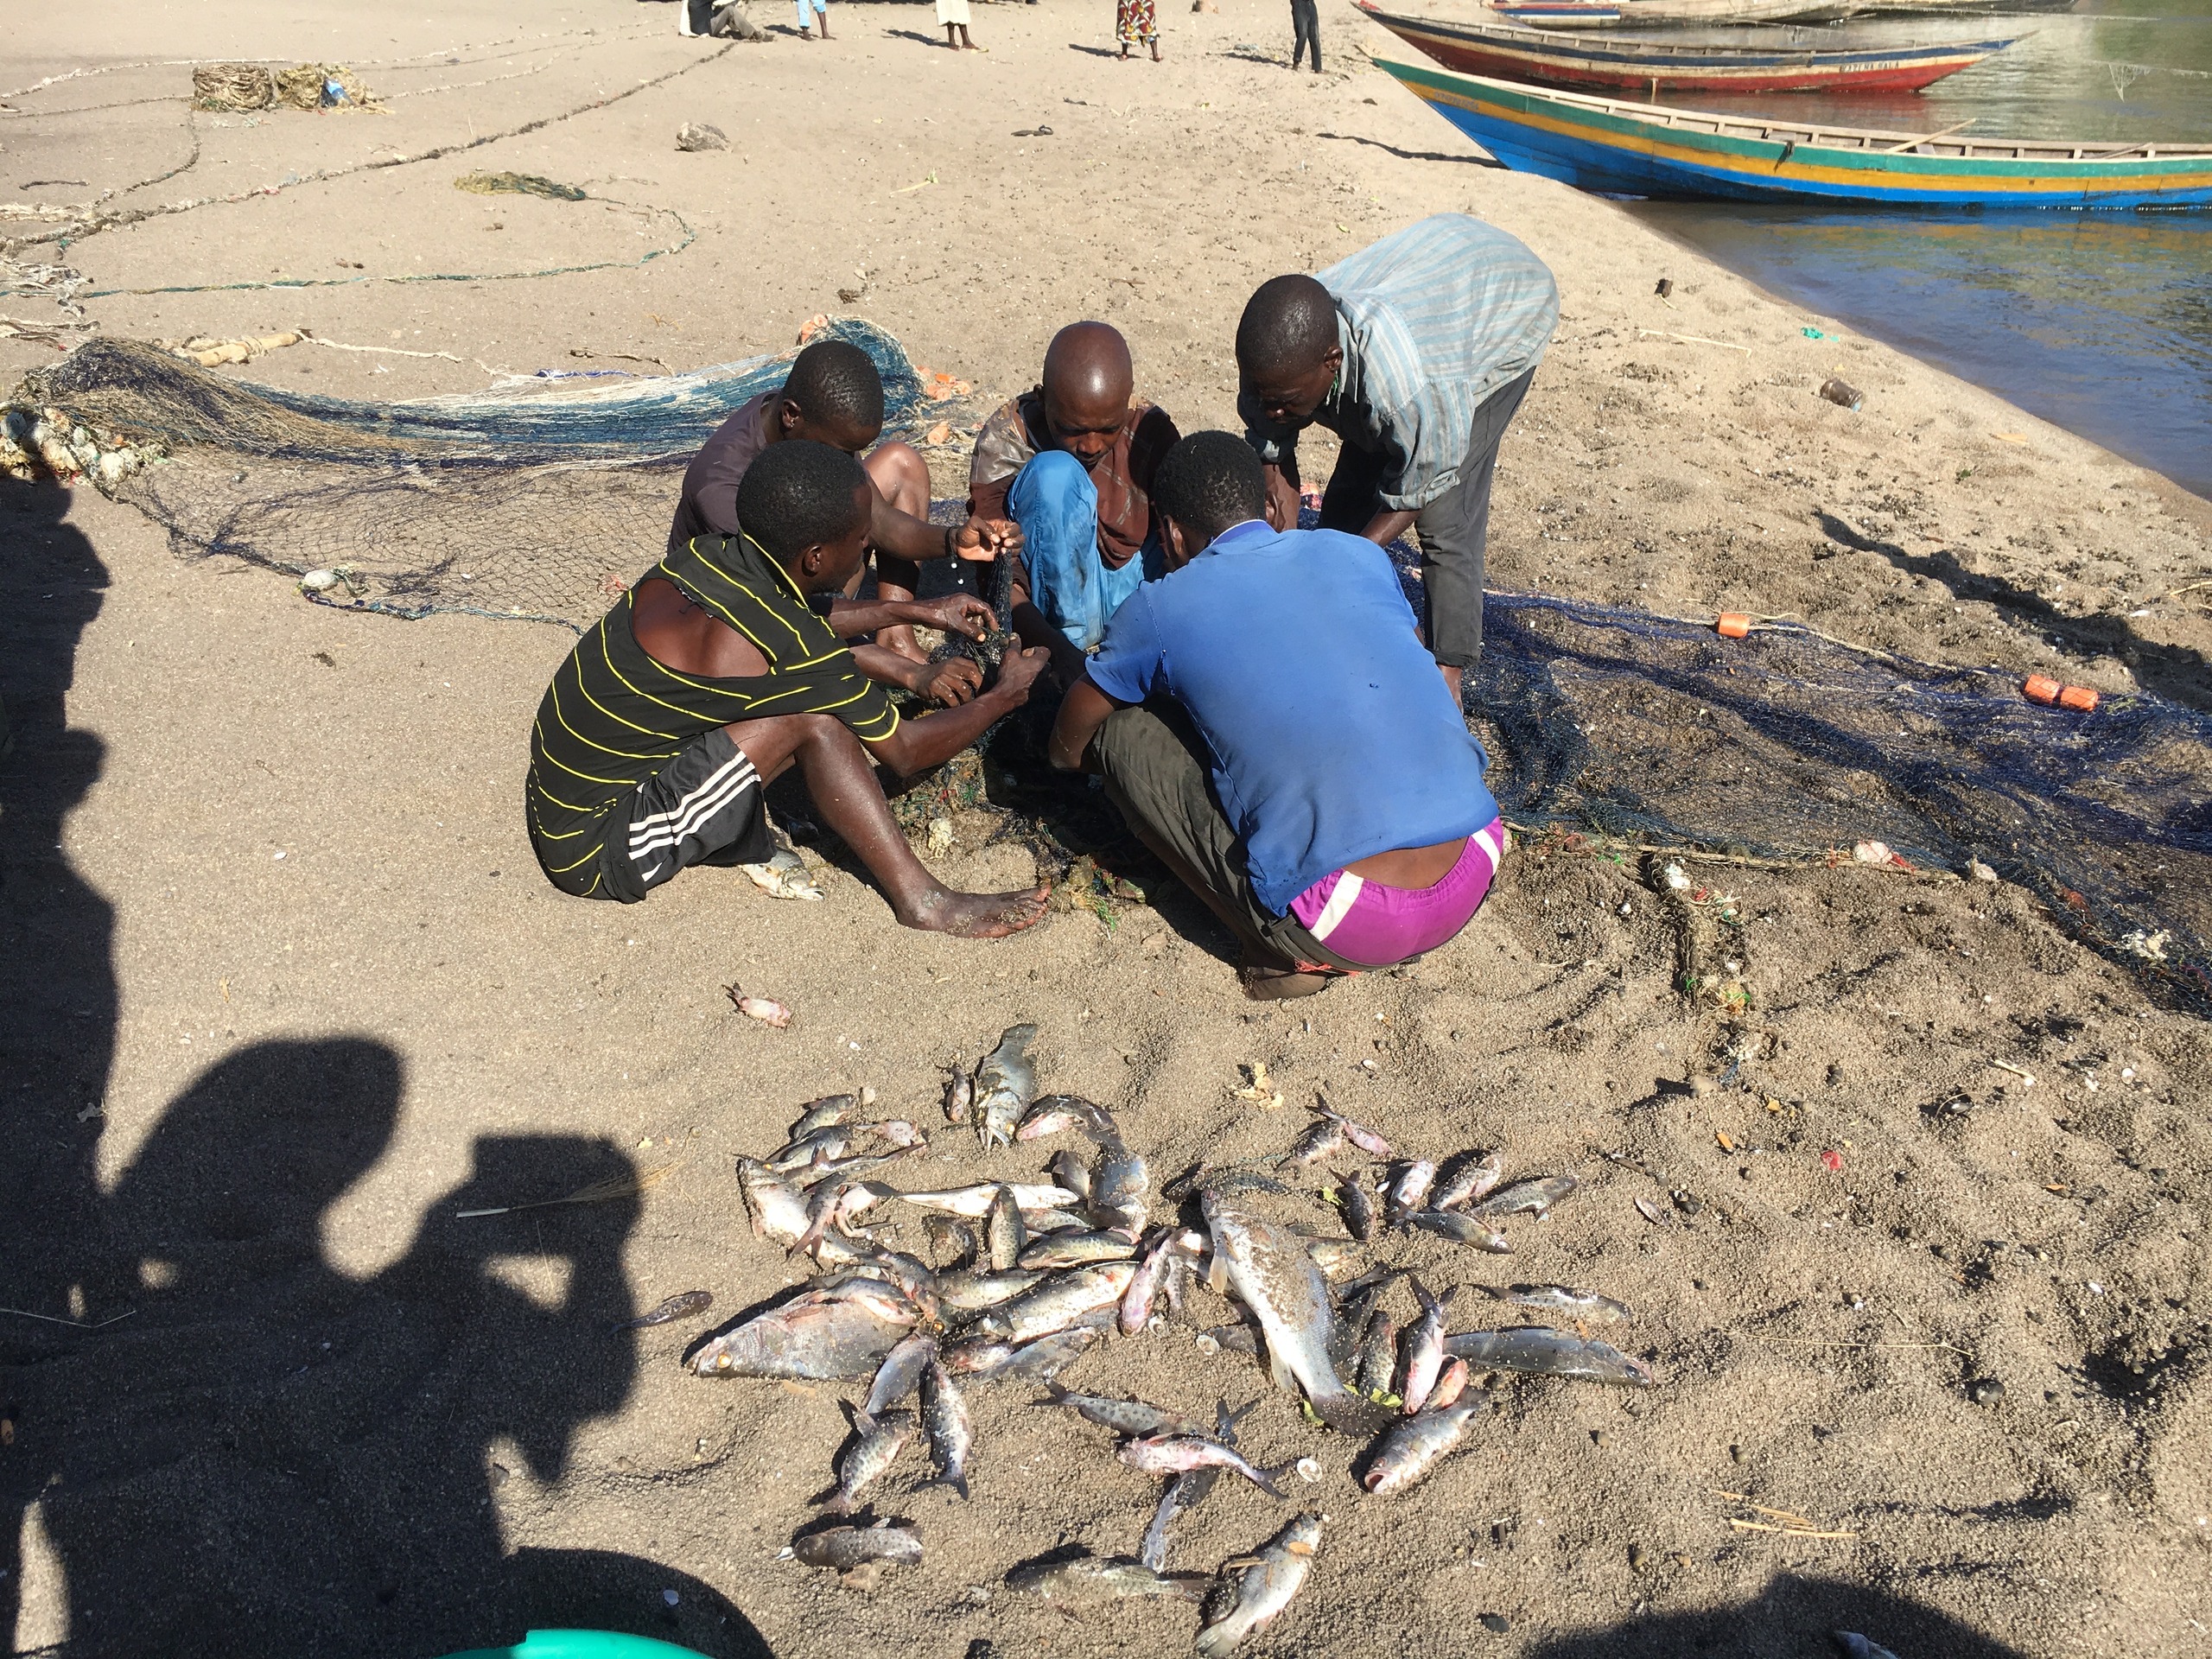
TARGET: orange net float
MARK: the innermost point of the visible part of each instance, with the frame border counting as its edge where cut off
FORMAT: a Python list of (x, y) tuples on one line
[(2042, 688), (2080, 698), (1732, 625)]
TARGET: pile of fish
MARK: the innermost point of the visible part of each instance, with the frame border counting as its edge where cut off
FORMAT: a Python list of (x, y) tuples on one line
[(1026, 1275)]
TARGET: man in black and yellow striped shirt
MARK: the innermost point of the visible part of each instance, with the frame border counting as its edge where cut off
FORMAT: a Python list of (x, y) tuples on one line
[(724, 664)]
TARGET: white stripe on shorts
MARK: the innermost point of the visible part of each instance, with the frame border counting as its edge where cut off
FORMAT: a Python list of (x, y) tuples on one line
[(1342, 898), (723, 786)]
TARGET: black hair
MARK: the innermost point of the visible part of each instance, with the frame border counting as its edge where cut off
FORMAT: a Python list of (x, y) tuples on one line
[(835, 383), (1289, 324), (799, 493), (1210, 481)]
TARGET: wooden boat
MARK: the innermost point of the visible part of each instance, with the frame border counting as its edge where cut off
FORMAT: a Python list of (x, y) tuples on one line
[(1644, 150), (1661, 14), (1636, 65)]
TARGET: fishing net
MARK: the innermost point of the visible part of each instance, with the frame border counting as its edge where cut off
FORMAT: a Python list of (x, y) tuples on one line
[(538, 499)]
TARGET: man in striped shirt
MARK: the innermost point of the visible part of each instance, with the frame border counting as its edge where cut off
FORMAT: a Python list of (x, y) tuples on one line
[(1415, 352), (722, 666)]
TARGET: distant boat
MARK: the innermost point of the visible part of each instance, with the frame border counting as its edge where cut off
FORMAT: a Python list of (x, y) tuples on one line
[(1656, 66), (1642, 149), (1648, 14)]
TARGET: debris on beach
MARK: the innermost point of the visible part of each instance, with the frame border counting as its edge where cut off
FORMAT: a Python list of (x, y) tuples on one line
[(766, 1010), (681, 1306), (700, 135)]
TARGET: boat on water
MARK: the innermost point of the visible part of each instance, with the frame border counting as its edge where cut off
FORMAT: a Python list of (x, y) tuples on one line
[(1620, 148), (1656, 66), (1641, 14)]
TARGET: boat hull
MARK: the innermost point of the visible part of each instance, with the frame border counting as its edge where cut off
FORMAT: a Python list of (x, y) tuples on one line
[(1633, 149), (1670, 14), (1624, 67)]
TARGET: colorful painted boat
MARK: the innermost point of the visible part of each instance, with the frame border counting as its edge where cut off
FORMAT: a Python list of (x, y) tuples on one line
[(1639, 66), (1643, 149), (1661, 14)]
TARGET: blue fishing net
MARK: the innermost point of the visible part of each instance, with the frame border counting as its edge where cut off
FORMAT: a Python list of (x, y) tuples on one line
[(540, 499)]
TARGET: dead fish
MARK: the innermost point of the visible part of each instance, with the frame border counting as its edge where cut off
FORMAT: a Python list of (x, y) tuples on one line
[(1088, 1579), (1585, 1305), (959, 1099), (1057, 1112), (1059, 1301), (1378, 1357), (1040, 1222), (1136, 1300), (682, 1306), (840, 1549), (899, 1132), (1138, 1419), (778, 1211), (1186, 1492), (1332, 1256), (951, 1240), (1409, 1192), (1424, 1346), (1005, 1085), (1358, 1133), (1069, 1169), (951, 1435), (1541, 1351), (881, 1439), (1179, 1453), (1118, 1189), (913, 1278), (1273, 1277), (817, 1146), (810, 1339), (901, 1374), (1527, 1198), (1449, 1387), (1461, 1228), (1852, 1645), (976, 1289), (822, 1114), (1257, 1588), (1414, 1447), (975, 1201), (1322, 1139), (1004, 1236), (1047, 1358), (765, 1009), (830, 1205), (1076, 1249), (1470, 1181), (1359, 1205), (1229, 1339)]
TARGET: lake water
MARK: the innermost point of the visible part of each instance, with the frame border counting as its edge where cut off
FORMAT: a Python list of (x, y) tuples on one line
[(2099, 322)]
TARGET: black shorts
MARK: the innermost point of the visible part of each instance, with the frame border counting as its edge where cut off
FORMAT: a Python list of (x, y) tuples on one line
[(703, 807)]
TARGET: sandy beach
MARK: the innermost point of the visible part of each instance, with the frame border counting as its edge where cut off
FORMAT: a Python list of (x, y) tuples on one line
[(286, 990)]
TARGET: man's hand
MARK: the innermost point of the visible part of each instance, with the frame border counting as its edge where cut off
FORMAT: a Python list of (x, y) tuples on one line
[(1385, 528), (1018, 672), (948, 683), (962, 613), (982, 540), (1282, 500)]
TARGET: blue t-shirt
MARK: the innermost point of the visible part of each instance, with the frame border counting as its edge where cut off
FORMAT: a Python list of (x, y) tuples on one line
[(1332, 734)]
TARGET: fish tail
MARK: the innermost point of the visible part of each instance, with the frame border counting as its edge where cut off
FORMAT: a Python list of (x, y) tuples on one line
[(1054, 1395), (1428, 1303), (1270, 1480)]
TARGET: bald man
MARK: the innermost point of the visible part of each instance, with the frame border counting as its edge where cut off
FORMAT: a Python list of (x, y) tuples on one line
[(1071, 463)]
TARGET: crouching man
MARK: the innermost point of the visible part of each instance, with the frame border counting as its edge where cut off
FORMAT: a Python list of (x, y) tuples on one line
[(1270, 724), (724, 665)]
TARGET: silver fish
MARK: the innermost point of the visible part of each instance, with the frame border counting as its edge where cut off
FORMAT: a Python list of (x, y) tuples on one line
[(881, 1439), (1229, 1339), (1057, 1112), (975, 1289), (1358, 1202), (1004, 1236), (1076, 1249), (1138, 1419), (1412, 1449), (1531, 1198), (1257, 1588), (1069, 1169), (831, 1203), (1047, 1358), (1378, 1357), (1088, 1579), (1186, 1492), (1585, 1305), (1450, 1385), (959, 1099), (1059, 1301), (1461, 1228), (952, 1240), (901, 1374), (1005, 1085), (913, 1278), (1324, 1139), (682, 1306), (811, 1148), (1470, 1181), (840, 1549), (1272, 1275), (1136, 1300), (1179, 1453), (1118, 1190), (809, 1338), (778, 1211), (951, 1435), (1424, 1346), (974, 1201), (1358, 1133), (1410, 1191), (1539, 1351), (822, 1114)]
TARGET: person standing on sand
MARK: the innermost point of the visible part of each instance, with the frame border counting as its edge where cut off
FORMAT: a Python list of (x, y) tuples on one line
[(1070, 462), (821, 10), (721, 668), (1136, 23), (1305, 26), (1265, 718), (953, 15), (1416, 352)]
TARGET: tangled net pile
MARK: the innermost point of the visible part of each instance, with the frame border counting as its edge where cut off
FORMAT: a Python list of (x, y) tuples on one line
[(537, 499)]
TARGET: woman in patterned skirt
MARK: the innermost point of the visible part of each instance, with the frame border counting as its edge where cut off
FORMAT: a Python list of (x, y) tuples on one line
[(1136, 24)]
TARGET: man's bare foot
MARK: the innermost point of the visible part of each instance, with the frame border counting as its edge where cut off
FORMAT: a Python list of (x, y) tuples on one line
[(978, 915)]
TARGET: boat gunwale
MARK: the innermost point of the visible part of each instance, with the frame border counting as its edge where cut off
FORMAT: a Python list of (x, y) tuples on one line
[(1707, 56)]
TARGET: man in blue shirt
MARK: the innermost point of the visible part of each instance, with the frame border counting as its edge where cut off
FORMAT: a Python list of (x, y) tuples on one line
[(1416, 352), (1268, 723)]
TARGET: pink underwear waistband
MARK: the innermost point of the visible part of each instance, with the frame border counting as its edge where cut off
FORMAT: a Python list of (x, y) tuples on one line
[(1367, 922)]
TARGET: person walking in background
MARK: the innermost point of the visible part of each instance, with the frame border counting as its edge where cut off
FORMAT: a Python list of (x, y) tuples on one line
[(953, 15), (1136, 23), (1305, 26), (821, 12)]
